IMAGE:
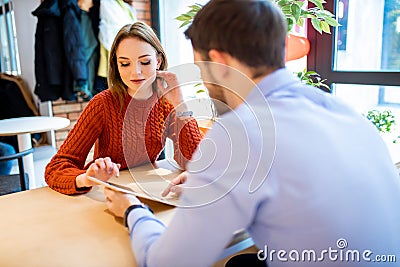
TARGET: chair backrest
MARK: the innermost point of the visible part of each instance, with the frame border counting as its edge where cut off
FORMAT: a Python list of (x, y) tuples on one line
[(9, 183)]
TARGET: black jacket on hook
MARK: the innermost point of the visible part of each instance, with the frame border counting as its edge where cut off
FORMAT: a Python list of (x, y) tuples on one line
[(60, 63), (74, 45), (49, 51)]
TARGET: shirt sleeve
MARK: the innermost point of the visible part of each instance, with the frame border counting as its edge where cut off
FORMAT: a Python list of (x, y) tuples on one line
[(196, 236), (206, 220), (69, 161)]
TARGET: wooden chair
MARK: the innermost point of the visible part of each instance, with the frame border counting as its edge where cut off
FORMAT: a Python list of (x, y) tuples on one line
[(15, 182)]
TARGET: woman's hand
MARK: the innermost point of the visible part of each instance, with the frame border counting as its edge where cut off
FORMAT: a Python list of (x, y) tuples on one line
[(171, 91), (118, 202), (101, 168), (175, 185)]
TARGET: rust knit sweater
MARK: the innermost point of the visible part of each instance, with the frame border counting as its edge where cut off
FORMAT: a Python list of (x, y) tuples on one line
[(131, 136)]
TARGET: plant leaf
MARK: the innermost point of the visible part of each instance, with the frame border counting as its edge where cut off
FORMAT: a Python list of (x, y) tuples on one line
[(300, 3), (296, 11), (183, 17), (316, 23), (191, 13), (290, 23), (185, 23), (196, 7), (311, 72), (287, 10), (300, 22), (325, 27), (326, 13), (282, 3), (332, 21), (317, 4)]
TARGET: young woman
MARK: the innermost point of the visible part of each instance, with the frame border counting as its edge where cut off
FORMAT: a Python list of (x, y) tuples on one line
[(128, 122)]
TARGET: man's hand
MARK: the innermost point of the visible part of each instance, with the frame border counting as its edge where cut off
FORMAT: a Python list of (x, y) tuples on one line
[(118, 202), (175, 185)]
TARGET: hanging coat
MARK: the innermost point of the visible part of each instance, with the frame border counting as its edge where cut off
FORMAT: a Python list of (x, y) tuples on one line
[(49, 51), (74, 45)]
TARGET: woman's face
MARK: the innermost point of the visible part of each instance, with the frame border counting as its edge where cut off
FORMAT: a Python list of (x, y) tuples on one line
[(137, 64)]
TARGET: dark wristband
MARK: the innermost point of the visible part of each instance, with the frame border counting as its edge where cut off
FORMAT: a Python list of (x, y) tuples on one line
[(132, 207)]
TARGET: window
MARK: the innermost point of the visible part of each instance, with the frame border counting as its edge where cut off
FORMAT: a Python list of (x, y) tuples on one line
[(361, 58), (347, 63), (9, 57), (178, 48), (367, 44), (179, 52)]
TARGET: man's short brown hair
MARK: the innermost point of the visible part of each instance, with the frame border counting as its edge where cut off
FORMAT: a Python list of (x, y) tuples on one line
[(254, 32)]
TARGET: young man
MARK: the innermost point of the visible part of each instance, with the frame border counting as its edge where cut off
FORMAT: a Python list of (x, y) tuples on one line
[(309, 178)]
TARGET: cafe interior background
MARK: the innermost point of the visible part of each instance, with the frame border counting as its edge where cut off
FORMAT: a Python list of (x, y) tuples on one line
[(359, 61)]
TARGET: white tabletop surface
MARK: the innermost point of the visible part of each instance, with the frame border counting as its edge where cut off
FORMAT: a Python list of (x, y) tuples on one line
[(35, 124)]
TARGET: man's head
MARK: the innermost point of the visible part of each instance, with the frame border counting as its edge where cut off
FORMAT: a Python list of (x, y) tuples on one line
[(253, 32), (242, 42)]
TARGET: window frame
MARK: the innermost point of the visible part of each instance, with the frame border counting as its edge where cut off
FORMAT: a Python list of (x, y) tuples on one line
[(320, 59), (13, 66), (155, 16)]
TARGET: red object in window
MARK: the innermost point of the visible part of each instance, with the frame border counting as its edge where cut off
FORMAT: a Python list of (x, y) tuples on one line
[(296, 47)]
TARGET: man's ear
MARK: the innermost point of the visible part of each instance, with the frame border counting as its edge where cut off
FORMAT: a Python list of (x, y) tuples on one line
[(217, 56), (222, 58)]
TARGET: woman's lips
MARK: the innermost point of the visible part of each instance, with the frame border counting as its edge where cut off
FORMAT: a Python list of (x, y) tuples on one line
[(137, 80)]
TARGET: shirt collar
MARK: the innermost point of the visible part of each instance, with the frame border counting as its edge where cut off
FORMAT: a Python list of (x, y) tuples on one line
[(277, 80)]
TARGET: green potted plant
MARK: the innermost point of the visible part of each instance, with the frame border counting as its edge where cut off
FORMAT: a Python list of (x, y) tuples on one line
[(385, 122), (296, 13), (314, 79)]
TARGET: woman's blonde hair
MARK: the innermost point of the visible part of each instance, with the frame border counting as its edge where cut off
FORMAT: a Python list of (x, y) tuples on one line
[(140, 31)]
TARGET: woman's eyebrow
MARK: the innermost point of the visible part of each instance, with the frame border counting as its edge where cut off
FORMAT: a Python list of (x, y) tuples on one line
[(147, 55), (142, 56)]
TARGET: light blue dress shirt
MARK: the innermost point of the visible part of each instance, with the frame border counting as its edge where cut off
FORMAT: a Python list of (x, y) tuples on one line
[(308, 177)]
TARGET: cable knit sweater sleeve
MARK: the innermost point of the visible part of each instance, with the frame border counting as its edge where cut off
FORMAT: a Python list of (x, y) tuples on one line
[(186, 136), (69, 161)]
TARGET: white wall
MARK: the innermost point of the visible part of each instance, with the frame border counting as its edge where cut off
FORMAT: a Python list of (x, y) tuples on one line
[(25, 24), (177, 47)]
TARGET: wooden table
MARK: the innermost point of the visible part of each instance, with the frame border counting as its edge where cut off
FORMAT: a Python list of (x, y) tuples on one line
[(44, 228), (23, 127)]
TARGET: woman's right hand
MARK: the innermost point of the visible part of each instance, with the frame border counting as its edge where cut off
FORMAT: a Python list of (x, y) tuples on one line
[(172, 91), (101, 168)]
